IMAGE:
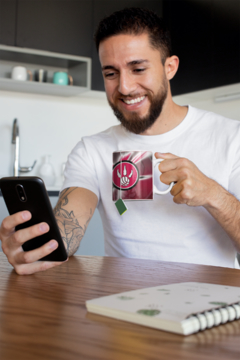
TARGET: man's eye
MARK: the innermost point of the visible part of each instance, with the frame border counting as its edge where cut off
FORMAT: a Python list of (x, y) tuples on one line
[(109, 75), (139, 70)]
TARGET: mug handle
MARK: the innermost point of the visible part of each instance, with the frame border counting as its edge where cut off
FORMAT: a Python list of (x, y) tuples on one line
[(156, 191), (30, 75), (70, 80)]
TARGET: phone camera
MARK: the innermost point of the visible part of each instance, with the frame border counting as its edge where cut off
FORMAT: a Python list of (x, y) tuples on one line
[(21, 193)]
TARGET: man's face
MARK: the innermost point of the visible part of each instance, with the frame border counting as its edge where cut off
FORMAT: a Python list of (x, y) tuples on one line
[(135, 80)]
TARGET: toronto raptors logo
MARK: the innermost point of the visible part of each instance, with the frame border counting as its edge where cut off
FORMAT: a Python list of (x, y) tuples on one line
[(132, 175), (125, 175)]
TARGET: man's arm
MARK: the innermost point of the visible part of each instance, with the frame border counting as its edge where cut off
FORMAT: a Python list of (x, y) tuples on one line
[(73, 212), (225, 209), (193, 188)]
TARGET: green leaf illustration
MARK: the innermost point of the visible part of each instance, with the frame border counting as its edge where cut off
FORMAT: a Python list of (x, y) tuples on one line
[(125, 297), (218, 303), (149, 312), (163, 290)]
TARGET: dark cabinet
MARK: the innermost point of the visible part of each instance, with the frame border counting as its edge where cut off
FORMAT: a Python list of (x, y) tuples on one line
[(206, 38), (205, 34), (226, 42), (62, 26), (8, 18)]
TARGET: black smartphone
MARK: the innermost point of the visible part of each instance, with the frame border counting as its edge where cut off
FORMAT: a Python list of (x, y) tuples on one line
[(29, 193)]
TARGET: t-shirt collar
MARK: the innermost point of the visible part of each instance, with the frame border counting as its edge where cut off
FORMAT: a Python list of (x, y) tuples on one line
[(168, 136)]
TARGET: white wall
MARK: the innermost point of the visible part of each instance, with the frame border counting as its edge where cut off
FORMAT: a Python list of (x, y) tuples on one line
[(53, 125), (49, 125), (206, 100)]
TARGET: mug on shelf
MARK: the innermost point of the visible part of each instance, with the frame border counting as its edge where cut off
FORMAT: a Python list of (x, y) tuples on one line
[(62, 78), (20, 73), (40, 75)]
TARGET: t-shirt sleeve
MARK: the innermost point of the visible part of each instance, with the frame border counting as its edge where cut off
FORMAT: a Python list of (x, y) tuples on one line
[(80, 170), (234, 179)]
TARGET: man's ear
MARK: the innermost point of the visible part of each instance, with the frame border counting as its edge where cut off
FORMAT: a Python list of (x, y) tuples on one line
[(171, 66)]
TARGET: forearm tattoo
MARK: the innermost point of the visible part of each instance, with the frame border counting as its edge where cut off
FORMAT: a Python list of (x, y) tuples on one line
[(71, 231)]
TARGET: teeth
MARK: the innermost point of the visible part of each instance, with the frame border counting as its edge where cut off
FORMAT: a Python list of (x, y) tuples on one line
[(134, 101)]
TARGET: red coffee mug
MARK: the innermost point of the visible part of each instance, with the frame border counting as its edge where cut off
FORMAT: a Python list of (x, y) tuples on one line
[(133, 176)]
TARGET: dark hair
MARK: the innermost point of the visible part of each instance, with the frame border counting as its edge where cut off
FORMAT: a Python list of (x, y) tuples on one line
[(136, 21)]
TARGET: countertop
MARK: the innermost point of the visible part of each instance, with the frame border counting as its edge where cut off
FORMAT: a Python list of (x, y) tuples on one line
[(43, 316)]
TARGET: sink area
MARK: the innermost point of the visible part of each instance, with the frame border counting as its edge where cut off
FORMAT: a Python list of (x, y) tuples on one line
[(16, 142)]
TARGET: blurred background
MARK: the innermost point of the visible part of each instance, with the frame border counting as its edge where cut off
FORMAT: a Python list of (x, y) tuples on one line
[(57, 35)]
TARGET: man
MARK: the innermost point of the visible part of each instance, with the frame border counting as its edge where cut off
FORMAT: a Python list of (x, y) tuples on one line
[(199, 221)]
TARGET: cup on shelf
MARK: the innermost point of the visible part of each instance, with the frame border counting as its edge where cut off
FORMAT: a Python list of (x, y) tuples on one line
[(40, 75), (62, 78), (21, 73)]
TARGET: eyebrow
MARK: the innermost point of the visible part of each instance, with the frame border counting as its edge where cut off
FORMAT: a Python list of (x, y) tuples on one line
[(136, 62), (131, 63)]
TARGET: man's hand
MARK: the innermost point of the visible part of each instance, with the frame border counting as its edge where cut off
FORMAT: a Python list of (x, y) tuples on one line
[(192, 186), (25, 262), (196, 189)]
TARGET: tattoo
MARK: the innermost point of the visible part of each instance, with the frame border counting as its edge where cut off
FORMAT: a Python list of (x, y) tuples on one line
[(71, 231)]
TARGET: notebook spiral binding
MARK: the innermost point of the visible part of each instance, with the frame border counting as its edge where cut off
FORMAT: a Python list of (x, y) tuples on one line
[(214, 317)]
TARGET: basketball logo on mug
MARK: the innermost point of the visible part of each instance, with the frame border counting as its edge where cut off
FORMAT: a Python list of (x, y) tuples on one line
[(125, 175), (132, 175)]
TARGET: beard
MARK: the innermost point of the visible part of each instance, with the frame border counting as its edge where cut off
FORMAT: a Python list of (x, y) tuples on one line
[(137, 124)]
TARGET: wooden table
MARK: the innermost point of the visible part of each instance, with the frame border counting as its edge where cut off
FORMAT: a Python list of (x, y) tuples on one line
[(43, 316)]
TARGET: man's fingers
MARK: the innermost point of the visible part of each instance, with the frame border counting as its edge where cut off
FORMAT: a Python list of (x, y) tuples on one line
[(27, 257), (176, 189), (168, 177), (29, 269), (19, 237), (181, 193), (10, 222), (182, 165), (170, 164)]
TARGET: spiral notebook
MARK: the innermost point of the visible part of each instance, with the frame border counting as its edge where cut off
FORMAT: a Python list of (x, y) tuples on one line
[(183, 308)]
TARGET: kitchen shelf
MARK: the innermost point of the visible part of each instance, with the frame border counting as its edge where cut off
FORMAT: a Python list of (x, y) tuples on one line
[(78, 67)]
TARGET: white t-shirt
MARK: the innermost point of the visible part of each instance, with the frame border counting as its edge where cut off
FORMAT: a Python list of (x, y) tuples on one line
[(161, 229)]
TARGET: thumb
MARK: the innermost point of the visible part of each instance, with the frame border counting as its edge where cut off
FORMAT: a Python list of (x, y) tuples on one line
[(159, 155)]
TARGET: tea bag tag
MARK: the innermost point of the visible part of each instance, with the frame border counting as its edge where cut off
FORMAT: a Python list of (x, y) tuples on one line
[(121, 206)]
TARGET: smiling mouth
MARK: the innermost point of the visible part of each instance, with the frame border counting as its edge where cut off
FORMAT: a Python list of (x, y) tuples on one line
[(134, 101)]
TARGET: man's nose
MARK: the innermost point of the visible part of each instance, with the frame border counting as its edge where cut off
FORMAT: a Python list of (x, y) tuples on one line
[(126, 84)]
